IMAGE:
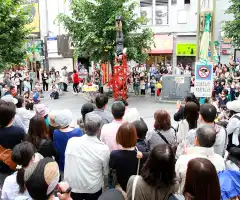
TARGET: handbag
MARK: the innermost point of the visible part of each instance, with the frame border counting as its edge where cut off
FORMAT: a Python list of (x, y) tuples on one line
[(6, 157)]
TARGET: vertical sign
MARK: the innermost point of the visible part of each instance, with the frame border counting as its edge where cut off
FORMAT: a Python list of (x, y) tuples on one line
[(203, 80)]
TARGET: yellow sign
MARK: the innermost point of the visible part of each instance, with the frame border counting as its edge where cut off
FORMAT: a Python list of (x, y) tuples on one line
[(186, 50), (34, 14)]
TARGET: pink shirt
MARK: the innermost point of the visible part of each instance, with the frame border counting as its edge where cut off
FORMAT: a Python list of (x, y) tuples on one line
[(108, 134)]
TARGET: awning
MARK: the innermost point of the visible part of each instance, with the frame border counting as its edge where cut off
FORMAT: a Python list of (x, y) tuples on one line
[(163, 44)]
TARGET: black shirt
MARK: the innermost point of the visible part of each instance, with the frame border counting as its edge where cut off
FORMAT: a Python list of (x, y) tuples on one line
[(11, 136), (179, 115), (125, 163)]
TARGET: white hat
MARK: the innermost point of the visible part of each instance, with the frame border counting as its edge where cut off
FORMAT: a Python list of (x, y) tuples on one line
[(9, 98), (234, 105), (63, 118)]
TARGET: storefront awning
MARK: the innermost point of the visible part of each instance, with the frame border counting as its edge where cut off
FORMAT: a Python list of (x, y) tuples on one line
[(163, 44)]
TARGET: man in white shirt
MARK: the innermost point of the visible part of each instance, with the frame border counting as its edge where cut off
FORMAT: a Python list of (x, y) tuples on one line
[(109, 131), (204, 141), (86, 161)]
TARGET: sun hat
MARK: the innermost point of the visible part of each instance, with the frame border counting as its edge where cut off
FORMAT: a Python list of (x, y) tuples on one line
[(9, 98), (41, 109), (234, 106), (41, 178), (63, 118)]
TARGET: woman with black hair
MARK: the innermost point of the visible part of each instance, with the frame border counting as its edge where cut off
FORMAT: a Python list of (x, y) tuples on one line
[(179, 115), (13, 187), (38, 135), (157, 180)]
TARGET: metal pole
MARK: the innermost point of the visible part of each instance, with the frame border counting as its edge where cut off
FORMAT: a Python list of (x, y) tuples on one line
[(213, 30), (198, 29)]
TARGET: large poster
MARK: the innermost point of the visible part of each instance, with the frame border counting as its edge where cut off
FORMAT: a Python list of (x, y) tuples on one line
[(34, 24)]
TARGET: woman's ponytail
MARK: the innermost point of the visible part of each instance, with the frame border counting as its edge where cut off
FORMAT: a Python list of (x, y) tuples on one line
[(20, 180)]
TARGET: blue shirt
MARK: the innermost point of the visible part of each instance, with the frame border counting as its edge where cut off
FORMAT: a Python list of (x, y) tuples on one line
[(60, 140)]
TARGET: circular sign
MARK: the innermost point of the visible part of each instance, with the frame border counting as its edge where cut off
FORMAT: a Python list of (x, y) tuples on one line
[(203, 72)]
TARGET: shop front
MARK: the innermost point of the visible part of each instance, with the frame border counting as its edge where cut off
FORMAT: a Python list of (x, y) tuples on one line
[(162, 52)]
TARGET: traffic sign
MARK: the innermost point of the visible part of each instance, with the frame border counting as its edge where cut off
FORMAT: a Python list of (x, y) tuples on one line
[(203, 80)]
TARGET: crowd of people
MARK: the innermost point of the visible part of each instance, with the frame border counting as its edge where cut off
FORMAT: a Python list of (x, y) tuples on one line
[(115, 155)]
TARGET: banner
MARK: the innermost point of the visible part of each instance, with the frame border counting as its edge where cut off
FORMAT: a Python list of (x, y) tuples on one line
[(33, 7), (186, 50)]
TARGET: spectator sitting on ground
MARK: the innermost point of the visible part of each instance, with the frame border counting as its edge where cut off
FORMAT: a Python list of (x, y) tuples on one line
[(101, 103), (22, 155), (109, 131), (163, 132), (204, 141), (208, 114), (41, 180), (17, 121), (86, 108), (10, 135), (157, 180), (23, 113), (63, 119), (86, 161)]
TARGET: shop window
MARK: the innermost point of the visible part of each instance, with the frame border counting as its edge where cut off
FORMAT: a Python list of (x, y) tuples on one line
[(146, 9), (161, 14)]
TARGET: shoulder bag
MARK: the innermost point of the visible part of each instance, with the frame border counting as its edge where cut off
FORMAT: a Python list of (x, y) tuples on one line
[(174, 147), (6, 157)]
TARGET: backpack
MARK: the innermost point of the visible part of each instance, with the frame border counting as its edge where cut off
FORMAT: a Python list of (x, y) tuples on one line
[(6, 157)]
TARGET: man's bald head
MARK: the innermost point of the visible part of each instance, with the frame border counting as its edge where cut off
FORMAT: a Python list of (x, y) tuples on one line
[(206, 136)]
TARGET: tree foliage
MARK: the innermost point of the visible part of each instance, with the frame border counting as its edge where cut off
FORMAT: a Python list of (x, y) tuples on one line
[(232, 28), (13, 18), (93, 31)]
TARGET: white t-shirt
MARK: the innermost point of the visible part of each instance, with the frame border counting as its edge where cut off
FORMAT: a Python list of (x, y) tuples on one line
[(10, 190)]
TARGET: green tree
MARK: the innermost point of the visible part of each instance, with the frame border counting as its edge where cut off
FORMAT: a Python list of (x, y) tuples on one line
[(93, 31), (231, 28), (13, 18)]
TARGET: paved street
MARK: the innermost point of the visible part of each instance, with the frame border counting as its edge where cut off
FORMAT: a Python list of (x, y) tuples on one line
[(145, 105)]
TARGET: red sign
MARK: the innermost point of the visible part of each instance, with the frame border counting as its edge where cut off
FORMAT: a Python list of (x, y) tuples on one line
[(224, 52)]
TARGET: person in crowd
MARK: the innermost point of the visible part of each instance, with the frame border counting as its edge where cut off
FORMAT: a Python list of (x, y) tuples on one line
[(35, 96), (179, 115), (41, 180), (13, 187), (38, 135), (152, 85), (201, 181), (6, 90), (142, 87), (63, 119), (111, 194), (157, 180), (136, 84), (109, 131), (33, 78), (17, 121), (7, 80), (222, 99), (17, 83), (233, 126), (45, 80), (54, 94), (163, 131), (101, 104), (191, 114), (124, 162), (207, 115), (10, 135), (90, 158), (204, 141), (26, 85), (23, 113), (76, 82), (64, 78), (131, 114), (86, 108), (43, 111), (141, 129)]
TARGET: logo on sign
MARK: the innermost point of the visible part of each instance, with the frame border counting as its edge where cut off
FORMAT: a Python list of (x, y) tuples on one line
[(204, 72)]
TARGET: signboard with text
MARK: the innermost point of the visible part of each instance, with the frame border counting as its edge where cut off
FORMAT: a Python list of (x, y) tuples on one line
[(203, 80), (186, 50)]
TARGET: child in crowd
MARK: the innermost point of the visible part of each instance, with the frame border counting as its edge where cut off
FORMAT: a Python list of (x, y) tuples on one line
[(27, 85), (159, 87), (142, 87), (152, 85), (35, 96)]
